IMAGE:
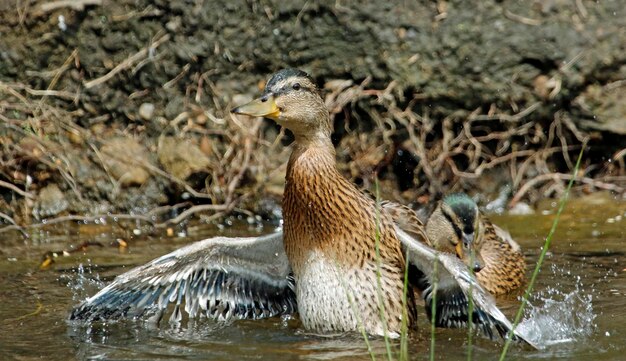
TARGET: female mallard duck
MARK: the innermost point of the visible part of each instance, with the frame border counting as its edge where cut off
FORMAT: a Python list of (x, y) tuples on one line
[(457, 226), (339, 261)]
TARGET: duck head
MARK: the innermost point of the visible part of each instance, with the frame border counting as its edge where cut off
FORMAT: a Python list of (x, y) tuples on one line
[(292, 100), (454, 227)]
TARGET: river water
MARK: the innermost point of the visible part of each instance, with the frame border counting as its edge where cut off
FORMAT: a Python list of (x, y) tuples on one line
[(577, 312)]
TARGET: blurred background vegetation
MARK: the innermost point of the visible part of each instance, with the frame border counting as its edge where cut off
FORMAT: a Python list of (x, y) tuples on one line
[(121, 107)]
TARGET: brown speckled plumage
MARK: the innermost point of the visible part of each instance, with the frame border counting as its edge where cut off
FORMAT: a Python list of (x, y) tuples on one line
[(330, 227), (504, 267), (457, 226), (327, 217)]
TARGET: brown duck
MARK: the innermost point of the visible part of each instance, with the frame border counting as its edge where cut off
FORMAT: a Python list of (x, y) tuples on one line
[(457, 226), (339, 261)]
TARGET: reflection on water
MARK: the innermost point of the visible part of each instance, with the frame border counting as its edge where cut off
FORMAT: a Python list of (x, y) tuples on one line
[(577, 312)]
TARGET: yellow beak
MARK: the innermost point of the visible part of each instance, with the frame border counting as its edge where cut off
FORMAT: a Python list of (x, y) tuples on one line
[(459, 250), (261, 107)]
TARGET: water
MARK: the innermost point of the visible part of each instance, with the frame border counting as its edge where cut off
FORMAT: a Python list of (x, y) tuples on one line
[(577, 312)]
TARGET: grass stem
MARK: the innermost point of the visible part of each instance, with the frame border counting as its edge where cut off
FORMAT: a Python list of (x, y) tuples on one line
[(542, 255), (404, 332), (381, 301), (359, 321), (470, 309), (433, 309)]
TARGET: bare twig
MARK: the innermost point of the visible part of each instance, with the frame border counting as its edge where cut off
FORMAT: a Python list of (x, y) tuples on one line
[(66, 64), (38, 92), (15, 189), (8, 218), (147, 12), (130, 61), (509, 118), (521, 19), (562, 176), (196, 209), (246, 160), (78, 5), (180, 75)]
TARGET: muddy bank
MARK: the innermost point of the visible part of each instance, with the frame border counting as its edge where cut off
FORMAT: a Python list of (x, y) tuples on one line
[(121, 106)]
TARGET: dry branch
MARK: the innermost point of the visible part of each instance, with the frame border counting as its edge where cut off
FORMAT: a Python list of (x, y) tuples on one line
[(129, 62), (15, 189), (562, 177), (78, 5)]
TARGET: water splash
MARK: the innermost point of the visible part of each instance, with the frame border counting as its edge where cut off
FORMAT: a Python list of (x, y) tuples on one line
[(82, 283), (554, 316)]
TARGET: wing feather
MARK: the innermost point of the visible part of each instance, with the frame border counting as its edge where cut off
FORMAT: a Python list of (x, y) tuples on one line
[(220, 278), (454, 284)]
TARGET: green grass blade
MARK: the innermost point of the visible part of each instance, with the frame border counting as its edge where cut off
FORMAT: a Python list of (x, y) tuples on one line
[(404, 335), (470, 310), (357, 315), (381, 303), (433, 309), (542, 255)]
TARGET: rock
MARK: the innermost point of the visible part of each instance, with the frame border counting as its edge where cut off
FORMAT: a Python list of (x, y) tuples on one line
[(521, 209), (50, 201), (123, 158), (146, 111), (181, 158), (174, 107), (607, 107)]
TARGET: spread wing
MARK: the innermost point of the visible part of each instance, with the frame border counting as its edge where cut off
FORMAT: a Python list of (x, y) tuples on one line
[(454, 284), (221, 278)]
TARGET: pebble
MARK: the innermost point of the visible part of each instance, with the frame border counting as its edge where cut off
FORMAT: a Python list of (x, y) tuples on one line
[(50, 201), (123, 158), (146, 111), (521, 208)]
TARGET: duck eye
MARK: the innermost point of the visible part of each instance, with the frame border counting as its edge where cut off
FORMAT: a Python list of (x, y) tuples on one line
[(296, 86)]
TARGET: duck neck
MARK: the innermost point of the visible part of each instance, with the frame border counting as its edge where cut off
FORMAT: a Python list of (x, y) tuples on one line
[(313, 154), (311, 182)]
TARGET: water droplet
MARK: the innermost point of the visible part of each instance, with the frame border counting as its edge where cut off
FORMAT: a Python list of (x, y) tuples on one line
[(62, 24), (555, 316)]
